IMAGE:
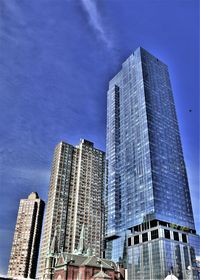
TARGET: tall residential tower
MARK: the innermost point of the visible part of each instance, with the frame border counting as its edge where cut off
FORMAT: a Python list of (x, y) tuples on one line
[(75, 199), (147, 186), (25, 248)]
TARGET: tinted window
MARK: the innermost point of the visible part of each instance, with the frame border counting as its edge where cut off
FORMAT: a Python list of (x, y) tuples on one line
[(154, 234), (136, 239), (176, 237), (184, 238), (167, 234), (144, 237)]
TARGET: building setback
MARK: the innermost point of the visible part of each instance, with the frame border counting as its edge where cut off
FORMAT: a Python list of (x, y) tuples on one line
[(147, 186), (25, 248), (75, 198)]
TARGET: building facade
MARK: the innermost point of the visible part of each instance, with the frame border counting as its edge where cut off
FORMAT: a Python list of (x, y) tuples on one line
[(146, 174), (25, 248), (159, 250), (75, 198)]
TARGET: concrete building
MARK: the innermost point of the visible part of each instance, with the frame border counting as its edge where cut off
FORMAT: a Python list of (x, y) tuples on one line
[(147, 185), (25, 248), (75, 198)]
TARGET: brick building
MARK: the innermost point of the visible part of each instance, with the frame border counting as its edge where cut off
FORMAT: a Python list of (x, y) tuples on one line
[(83, 267), (82, 264)]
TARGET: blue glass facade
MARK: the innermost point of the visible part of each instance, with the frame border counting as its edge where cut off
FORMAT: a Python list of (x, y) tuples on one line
[(146, 173), (163, 250)]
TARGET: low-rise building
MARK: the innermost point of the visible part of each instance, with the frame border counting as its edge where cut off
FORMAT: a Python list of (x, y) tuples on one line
[(80, 265), (85, 267)]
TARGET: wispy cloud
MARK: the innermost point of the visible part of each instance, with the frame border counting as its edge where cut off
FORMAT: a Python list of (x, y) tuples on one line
[(32, 174), (95, 20), (25, 177)]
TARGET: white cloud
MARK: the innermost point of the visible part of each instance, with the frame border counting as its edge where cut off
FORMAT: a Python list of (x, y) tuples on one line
[(95, 20)]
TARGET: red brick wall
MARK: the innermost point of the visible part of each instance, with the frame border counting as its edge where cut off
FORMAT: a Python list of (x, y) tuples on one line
[(60, 272), (87, 273)]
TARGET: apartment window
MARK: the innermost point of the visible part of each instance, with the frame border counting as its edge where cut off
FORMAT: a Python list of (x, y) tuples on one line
[(129, 241)]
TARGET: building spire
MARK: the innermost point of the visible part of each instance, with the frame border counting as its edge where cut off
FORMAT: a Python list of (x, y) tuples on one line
[(54, 244), (81, 244), (51, 258)]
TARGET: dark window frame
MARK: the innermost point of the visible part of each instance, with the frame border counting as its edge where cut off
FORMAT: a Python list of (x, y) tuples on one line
[(167, 233), (136, 239), (176, 235), (154, 234), (145, 237)]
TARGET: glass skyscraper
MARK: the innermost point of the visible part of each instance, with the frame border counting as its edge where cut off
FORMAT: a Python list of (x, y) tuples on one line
[(147, 186)]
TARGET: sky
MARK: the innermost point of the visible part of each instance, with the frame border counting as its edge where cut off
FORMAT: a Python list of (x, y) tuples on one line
[(56, 59)]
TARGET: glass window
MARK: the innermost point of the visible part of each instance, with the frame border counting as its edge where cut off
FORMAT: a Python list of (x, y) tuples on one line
[(184, 238), (176, 236), (154, 234), (145, 237), (167, 233), (136, 239)]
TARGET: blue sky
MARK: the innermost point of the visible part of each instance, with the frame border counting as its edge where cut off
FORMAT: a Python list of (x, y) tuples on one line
[(56, 58)]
